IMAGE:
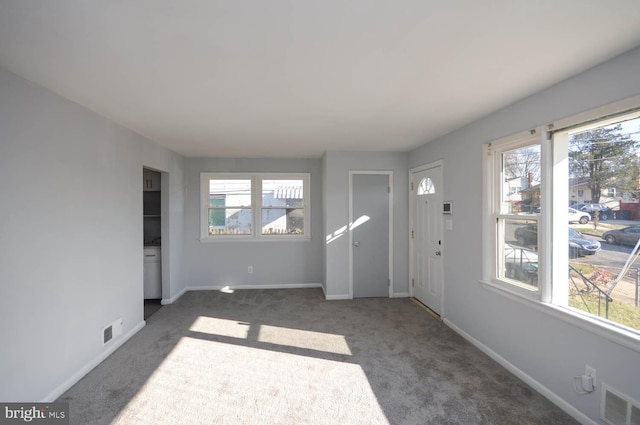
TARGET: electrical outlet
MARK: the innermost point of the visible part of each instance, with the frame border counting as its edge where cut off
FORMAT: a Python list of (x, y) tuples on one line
[(590, 371), (250, 269)]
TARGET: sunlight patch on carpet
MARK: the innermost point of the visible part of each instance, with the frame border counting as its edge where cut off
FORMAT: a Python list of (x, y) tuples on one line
[(319, 341), (210, 382), (222, 327)]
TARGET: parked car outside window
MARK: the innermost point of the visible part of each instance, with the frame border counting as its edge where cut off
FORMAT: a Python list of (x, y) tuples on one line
[(579, 245), (626, 236), (604, 211), (581, 217)]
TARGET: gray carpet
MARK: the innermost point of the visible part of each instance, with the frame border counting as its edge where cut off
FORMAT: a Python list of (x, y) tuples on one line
[(290, 357)]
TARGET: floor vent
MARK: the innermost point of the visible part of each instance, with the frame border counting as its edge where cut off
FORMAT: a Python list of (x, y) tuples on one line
[(107, 334), (617, 408)]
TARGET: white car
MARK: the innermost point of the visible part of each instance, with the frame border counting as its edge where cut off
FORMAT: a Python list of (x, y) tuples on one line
[(579, 216)]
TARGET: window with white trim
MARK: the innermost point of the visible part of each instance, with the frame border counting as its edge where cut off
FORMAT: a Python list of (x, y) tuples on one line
[(516, 211), (583, 260), (242, 206)]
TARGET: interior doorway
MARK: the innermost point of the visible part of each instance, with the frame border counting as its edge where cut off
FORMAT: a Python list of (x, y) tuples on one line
[(370, 234), (152, 240)]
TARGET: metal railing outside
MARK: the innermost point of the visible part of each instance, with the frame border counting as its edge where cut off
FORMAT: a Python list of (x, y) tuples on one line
[(590, 287)]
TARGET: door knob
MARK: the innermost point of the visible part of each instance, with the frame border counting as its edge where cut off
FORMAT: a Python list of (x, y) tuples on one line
[(356, 244), (438, 253)]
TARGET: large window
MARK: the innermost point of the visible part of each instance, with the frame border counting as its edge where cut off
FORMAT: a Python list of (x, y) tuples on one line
[(563, 218), (235, 205)]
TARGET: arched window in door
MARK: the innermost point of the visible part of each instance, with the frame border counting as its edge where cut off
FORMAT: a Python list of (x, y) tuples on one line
[(426, 187)]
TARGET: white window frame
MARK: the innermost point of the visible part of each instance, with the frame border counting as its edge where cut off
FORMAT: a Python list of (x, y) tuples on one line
[(256, 206), (550, 299), (493, 182)]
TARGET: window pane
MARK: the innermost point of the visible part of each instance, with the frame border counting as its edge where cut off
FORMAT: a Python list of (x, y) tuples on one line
[(216, 215), (519, 241), (521, 181), (229, 221), (230, 207), (603, 173), (235, 192), (282, 221), (426, 187), (282, 193)]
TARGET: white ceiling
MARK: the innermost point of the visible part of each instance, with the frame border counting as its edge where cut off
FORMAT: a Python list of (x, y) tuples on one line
[(295, 78)]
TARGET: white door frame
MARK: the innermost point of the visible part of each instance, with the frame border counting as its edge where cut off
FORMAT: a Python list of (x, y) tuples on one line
[(165, 208), (435, 164), (165, 245), (351, 223)]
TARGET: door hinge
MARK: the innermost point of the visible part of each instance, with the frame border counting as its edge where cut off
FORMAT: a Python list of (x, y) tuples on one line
[(389, 282), (389, 189), (412, 234), (413, 283), (412, 186)]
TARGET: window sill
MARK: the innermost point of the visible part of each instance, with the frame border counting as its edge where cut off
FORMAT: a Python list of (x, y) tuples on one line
[(248, 239), (617, 334)]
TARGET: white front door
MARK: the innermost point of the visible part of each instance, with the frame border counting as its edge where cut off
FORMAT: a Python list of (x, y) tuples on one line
[(426, 237)]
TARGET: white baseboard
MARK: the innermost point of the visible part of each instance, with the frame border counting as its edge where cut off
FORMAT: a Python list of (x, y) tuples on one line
[(553, 397), (174, 298), (220, 287), (338, 297), (348, 297), (268, 286), (281, 286), (57, 392)]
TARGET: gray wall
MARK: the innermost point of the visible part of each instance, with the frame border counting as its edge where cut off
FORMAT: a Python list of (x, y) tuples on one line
[(336, 192), (546, 349), (275, 263), (70, 237)]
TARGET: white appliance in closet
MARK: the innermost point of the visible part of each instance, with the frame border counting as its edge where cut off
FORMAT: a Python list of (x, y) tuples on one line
[(152, 273)]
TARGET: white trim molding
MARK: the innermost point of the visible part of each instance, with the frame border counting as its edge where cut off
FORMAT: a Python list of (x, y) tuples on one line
[(255, 206), (266, 286), (338, 297), (166, 301)]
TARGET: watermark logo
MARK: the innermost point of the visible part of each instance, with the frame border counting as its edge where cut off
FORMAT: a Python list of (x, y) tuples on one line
[(34, 413)]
